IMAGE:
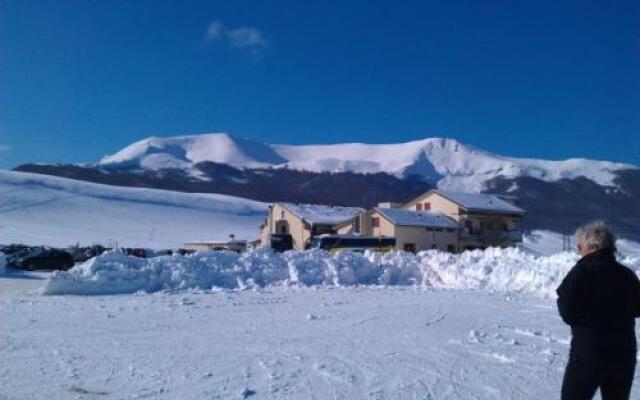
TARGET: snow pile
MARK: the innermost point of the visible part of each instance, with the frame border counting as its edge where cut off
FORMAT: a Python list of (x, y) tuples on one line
[(502, 270), (3, 264)]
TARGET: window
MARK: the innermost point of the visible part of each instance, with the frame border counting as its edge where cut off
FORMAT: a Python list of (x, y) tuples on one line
[(322, 229), (427, 206), (434, 246), (375, 222), (419, 207), (282, 227), (469, 225), (451, 248)]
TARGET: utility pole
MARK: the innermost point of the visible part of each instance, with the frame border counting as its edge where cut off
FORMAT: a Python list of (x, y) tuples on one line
[(566, 240)]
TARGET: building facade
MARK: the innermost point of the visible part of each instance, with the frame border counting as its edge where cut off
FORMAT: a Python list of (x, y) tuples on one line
[(302, 221), (437, 219), (414, 231), (483, 220)]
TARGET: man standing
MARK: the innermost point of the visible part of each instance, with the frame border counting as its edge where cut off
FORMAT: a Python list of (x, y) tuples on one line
[(600, 299)]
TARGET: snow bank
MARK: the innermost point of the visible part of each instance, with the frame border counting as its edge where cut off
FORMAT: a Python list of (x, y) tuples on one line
[(3, 264), (504, 270)]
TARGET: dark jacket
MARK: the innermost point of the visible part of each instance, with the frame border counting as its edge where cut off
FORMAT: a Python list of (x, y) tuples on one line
[(600, 299)]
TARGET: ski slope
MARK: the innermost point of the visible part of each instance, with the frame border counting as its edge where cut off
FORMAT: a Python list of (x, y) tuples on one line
[(450, 163), (44, 210)]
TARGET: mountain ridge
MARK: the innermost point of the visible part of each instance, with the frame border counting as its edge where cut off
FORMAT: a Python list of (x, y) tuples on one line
[(446, 162)]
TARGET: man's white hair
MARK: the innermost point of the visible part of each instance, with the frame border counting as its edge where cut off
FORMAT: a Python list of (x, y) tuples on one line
[(596, 235)]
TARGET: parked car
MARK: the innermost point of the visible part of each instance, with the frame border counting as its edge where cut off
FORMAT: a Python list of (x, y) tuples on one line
[(183, 252), (42, 258), (280, 242), (135, 252), (358, 244)]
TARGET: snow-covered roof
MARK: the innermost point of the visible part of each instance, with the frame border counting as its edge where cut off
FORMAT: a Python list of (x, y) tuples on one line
[(322, 214), (427, 219), (481, 202)]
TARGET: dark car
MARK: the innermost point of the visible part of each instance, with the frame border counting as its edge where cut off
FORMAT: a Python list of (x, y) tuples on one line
[(42, 258), (281, 242)]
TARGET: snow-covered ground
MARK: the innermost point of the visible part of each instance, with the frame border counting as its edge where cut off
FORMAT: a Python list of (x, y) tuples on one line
[(43, 210), (305, 325), (296, 343)]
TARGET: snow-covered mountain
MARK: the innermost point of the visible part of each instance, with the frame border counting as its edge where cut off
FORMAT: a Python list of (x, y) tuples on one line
[(558, 195), (44, 210), (446, 162)]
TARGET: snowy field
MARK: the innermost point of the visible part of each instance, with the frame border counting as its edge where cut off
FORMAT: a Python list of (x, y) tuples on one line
[(481, 325), (326, 343), (44, 210)]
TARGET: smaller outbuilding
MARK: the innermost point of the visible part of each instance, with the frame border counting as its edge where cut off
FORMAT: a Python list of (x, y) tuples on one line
[(232, 244)]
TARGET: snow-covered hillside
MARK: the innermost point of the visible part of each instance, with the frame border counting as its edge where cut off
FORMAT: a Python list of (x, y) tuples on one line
[(44, 210), (452, 164)]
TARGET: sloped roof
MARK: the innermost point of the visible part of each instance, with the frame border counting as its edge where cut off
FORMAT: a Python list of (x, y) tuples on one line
[(481, 202), (425, 219), (322, 214)]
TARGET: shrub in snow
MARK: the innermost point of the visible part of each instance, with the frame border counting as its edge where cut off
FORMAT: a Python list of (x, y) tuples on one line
[(503, 270)]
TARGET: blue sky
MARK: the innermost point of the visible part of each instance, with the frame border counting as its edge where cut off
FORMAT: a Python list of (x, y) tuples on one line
[(545, 79)]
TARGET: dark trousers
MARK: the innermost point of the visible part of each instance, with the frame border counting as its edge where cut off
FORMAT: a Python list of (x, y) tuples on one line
[(584, 375)]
